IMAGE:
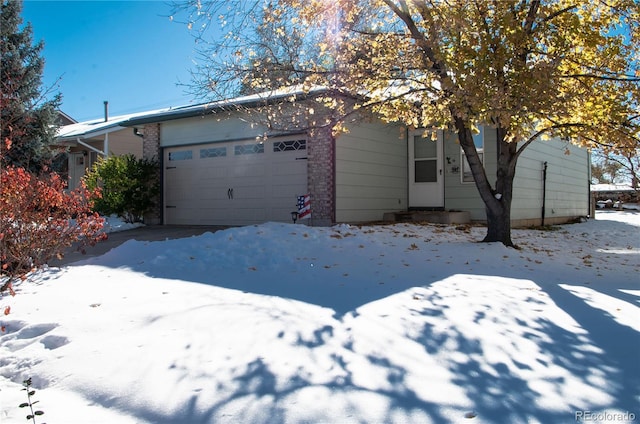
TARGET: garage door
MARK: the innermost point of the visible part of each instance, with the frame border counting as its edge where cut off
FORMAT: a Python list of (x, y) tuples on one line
[(235, 183)]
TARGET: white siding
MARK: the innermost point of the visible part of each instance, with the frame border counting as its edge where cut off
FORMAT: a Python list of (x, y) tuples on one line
[(371, 172)]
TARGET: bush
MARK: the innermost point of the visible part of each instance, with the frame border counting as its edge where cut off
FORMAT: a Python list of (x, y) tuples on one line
[(39, 220), (129, 186)]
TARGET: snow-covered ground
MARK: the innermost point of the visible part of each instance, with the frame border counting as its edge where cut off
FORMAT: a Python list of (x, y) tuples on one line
[(283, 323)]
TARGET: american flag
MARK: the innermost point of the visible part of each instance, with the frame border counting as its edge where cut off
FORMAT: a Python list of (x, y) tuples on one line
[(304, 206)]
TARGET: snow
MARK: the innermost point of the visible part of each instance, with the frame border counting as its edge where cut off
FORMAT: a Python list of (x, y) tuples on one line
[(611, 187), (113, 224), (284, 323)]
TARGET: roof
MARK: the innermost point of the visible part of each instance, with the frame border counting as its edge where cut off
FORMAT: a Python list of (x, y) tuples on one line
[(611, 187), (64, 118), (97, 127), (268, 97)]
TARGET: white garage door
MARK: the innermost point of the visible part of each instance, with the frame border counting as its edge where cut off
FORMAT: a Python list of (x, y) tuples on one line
[(235, 183)]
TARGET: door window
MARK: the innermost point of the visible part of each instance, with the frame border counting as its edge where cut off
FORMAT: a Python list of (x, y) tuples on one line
[(425, 160)]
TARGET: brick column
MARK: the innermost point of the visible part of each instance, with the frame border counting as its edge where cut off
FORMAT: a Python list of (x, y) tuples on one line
[(321, 176), (151, 150)]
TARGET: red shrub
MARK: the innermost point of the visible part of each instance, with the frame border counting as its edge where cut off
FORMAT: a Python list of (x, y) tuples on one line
[(39, 220)]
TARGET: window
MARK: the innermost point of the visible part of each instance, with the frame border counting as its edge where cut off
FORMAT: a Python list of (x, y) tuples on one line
[(248, 149), (213, 152), (478, 140), (425, 153), (181, 155), (289, 146)]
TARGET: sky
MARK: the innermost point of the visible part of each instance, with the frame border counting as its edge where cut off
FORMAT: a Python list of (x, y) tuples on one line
[(286, 323), (128, 53)]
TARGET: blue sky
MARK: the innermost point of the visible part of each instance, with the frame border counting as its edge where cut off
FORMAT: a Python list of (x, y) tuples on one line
[(127, 52)]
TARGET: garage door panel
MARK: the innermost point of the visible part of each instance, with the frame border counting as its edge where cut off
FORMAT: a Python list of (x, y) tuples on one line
[(251, 193), (264, 183), (248, 170)]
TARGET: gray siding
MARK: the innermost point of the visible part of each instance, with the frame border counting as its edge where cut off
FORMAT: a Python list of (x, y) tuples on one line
[(567, 188), (209, 128), (371, 172), (464, 195)]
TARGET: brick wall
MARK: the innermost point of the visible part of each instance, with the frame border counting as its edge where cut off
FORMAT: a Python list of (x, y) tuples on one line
[(151, 141), (321, 176), (151, 150)]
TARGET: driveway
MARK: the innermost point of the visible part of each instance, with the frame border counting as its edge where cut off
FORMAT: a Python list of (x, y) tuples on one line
[(145, 233)]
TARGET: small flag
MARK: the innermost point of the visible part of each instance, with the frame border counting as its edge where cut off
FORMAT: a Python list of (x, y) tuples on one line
[(304, 206)]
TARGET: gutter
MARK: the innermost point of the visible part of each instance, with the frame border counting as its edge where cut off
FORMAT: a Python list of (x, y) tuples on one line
[(93, 149)]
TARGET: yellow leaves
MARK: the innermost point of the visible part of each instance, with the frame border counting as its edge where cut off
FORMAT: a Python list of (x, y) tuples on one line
[(447, 60)]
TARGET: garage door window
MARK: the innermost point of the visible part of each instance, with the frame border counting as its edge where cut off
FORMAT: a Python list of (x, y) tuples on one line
[(289, 146), (248, 149), (181, 155), (214, 152)]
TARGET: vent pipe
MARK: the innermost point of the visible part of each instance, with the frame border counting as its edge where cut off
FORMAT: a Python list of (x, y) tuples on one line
[(106, 111)]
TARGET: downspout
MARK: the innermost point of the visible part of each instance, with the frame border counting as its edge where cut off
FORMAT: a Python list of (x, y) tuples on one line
[(544, 189), (591, 209), (106, 135), (406, 137)]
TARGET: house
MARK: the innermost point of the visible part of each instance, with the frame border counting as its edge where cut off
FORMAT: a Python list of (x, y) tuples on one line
[(614, 195), (89, 140), (217, 169), (63, 119)]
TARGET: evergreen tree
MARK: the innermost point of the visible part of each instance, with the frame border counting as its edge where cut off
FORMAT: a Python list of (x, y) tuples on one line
[(28, 120)]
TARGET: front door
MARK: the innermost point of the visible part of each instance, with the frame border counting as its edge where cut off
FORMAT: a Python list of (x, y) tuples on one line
[(426, 180), (77, 169)]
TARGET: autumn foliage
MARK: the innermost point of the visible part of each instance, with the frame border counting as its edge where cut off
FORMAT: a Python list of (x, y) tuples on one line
[(39, 220)]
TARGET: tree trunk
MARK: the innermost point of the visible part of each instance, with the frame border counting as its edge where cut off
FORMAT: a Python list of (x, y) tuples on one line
[(499, 225), (498, 207), (497, 201)]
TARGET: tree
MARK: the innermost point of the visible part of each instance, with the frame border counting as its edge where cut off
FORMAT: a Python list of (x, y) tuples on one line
[(27, 118), (124, 185), (604, 171), (616, 168), (39, 218), (531, 69), (271, 52)]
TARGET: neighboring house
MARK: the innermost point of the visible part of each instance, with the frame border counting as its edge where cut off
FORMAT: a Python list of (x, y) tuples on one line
[(216, 169), (614, 195), (86, 141), (63, 119)]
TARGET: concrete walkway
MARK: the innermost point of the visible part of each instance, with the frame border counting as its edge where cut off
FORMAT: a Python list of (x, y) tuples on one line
[(146, 233)]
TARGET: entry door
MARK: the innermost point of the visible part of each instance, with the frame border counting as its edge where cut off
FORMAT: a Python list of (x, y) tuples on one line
[(426, 179), (77, 169)]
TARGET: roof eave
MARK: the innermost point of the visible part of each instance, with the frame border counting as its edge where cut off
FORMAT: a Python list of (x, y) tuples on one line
[(91, 134), (222, 106)]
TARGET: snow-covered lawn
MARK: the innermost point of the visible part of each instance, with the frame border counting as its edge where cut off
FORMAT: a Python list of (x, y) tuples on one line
[(283, 323)]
